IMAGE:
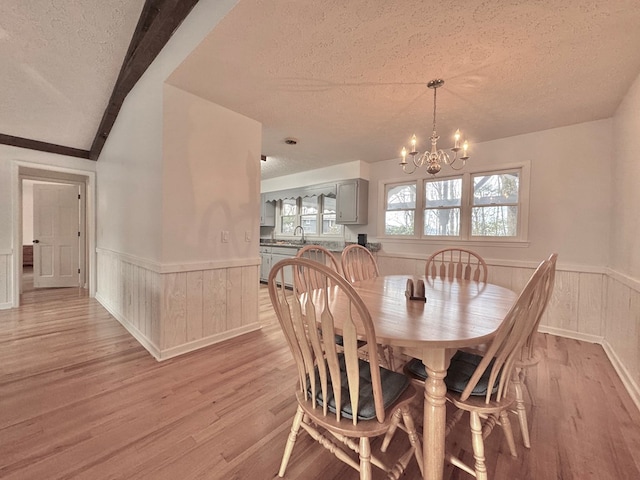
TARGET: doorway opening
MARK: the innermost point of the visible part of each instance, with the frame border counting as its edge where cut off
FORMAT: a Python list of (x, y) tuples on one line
[(53, 262)]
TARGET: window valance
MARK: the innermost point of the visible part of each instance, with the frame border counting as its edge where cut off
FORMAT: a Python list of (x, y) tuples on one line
[(327, 189)]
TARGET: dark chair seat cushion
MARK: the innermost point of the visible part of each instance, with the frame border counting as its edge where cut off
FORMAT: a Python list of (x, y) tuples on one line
[(340, 341), (459, 373), (393, 385)]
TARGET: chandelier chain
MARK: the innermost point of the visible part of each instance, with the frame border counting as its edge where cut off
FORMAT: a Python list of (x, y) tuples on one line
[(435, 92)]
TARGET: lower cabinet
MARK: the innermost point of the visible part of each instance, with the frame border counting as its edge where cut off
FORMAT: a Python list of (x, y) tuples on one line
[(265, 266), (288, 278), (272, 255)]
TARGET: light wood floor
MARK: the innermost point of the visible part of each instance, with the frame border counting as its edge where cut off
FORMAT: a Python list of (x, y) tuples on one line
[(80, 399)]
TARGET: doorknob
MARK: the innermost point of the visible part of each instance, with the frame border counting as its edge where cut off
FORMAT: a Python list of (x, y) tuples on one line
[(36, 241)]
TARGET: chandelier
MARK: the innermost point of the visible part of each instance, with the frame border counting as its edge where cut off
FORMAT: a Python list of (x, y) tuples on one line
[(435, 158)]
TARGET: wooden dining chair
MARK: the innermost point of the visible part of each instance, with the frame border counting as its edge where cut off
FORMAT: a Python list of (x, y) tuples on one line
[(358, 263), (322, 255), (528, 358), (451, 263), (480, 384), (343, 401), (318, 254)]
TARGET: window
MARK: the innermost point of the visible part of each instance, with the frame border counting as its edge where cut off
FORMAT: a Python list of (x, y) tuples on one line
[(495, 205), (316, 214), (400, 209), (288, 215), (329, 226), (309, 217), (442, 207), (472, 206)]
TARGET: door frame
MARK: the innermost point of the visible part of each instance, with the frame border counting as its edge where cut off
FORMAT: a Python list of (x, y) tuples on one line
[(43, 172)]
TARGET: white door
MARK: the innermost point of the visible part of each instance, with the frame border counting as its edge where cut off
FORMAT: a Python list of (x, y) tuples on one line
[(56, 223)]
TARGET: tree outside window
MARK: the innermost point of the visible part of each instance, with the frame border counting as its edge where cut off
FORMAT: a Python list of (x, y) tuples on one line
[(442, 207), (400, 209), (288, 215), (495, 205)]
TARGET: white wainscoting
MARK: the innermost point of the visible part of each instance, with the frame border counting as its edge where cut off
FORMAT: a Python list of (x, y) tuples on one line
[(179, 311), (6, 279), (588, 303), (622, 330)]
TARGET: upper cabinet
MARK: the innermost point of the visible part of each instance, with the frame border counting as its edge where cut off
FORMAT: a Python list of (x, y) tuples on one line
[(352, 202), (267, 212)]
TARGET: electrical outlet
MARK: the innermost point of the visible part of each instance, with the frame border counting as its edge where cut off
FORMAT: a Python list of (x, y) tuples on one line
[(247, 236), (225, 236)]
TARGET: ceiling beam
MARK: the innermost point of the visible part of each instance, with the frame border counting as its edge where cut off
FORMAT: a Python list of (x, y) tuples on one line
[(158, 20), (42, 146)]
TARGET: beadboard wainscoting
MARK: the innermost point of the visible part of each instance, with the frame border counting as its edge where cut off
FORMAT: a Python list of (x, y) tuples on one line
[(6, 260), (588, 303), (174, 309), (622, 330)]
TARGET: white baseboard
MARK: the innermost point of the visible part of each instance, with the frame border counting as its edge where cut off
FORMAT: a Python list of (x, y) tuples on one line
[(205, 342), (560, 332), (6, 306), (623, 373), (137, 334)]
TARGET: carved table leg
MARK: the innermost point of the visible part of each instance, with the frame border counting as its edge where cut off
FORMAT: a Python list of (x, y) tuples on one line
[(436, 361)]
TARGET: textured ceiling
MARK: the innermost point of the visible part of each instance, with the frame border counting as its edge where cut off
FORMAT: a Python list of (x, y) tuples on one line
[(60, 60), (348, 78)]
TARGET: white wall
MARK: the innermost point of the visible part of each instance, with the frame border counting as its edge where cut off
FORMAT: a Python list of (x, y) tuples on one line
[(211, 180), (174, 174), (622, 322), (569, 193), (130, 172), (625, 218)]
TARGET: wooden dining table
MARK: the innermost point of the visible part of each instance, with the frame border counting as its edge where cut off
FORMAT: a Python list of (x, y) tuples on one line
[(456, 314)]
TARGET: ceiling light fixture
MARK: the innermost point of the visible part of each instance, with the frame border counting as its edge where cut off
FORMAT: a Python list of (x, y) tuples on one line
[(433, 159)]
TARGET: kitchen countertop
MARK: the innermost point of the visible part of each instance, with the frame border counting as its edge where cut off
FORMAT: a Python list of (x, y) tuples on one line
[(331, 246)]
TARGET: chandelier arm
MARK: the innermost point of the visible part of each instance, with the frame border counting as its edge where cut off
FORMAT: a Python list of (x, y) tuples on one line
[(456, 169), (404, 168)]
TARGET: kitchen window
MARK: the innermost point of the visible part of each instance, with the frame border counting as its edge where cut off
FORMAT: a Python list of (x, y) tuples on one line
[(467, 207), (288, 215), (316, 214)]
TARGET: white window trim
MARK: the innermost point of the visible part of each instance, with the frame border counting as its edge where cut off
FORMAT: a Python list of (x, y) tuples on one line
[(308, 236), (465, 239), (385, 210)]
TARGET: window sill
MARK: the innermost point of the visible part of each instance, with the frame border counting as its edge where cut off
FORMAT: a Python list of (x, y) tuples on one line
[(513, 243)]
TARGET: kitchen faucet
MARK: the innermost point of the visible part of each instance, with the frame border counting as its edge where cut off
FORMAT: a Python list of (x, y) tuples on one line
[(301, 230)]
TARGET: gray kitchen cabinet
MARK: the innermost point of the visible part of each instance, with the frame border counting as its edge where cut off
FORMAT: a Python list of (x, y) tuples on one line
[(352, 202), (272, 255), (266, 262), (267, 212), (280, 253)]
